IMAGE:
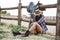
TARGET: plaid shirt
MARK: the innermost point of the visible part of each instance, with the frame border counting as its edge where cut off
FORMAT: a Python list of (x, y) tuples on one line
[(41, 22)]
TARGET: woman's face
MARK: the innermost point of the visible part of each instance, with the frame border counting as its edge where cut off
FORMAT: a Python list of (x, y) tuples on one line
[(38, 12)]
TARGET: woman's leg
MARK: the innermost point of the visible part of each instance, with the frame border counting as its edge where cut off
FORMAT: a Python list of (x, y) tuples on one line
[(32, 29), (22, 33), (35, 27), (39, 28)]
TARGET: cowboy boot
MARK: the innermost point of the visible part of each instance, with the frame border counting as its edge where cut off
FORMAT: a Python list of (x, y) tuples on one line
[(26, 33), (15, 33)]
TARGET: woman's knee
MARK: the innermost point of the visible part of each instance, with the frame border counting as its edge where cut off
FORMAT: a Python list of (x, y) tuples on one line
[(35, 23)]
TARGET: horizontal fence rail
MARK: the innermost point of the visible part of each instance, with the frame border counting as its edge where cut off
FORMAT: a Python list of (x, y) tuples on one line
[(48, 20), (49, 6), (41, 6), (11, 8)]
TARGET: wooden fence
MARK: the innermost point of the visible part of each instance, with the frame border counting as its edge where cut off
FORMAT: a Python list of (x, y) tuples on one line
[(50, 20), (19, 11), (41, 6)]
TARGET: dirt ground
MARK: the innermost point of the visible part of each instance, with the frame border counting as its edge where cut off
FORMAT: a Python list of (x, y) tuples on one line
[(9, 36)]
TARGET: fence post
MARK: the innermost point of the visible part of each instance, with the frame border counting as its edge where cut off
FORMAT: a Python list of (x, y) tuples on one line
[(0, 14), (19, 13), (58, 19)]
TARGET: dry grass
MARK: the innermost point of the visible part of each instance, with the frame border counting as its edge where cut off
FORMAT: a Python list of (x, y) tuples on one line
[(7, 35)]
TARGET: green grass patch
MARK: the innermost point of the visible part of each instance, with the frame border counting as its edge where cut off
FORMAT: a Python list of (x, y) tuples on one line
[(2, 34), (17, 27), (13, 27), (2, 24)]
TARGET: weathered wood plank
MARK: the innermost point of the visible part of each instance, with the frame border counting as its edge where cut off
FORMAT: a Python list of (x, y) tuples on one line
[(41, 6), (49, 6), (19, 14), (11, 8), (48, 23), (45, 6), (58, 19), (0, 15)]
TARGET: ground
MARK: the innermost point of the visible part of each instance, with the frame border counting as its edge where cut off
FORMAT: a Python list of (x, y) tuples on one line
[(6, 34), (9, 36)]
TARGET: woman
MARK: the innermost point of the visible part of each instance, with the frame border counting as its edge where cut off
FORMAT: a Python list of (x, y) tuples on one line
[(37, 27)]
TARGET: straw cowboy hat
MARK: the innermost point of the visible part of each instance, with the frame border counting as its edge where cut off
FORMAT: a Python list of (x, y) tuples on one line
[(31, 7), (34, 8)]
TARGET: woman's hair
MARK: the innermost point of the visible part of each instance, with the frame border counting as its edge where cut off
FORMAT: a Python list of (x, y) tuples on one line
[(40, 11)]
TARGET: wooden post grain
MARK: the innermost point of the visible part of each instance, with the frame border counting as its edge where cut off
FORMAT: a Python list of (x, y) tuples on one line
[(58, 19), (19, 14), (0, 14)]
